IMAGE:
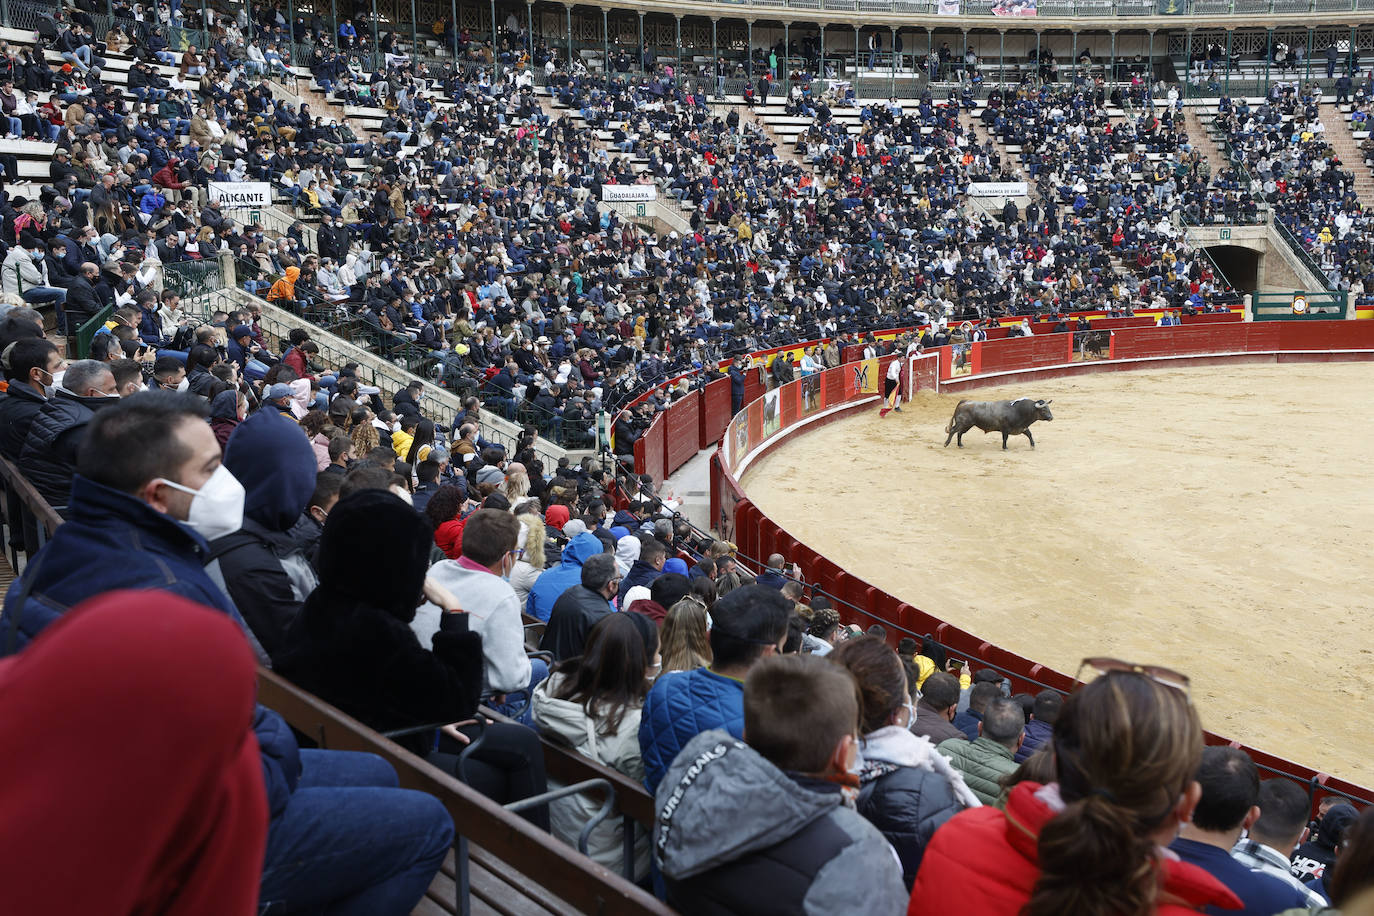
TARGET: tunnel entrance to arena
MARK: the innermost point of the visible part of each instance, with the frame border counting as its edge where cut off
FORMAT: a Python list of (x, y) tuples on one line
[(1239, 265)]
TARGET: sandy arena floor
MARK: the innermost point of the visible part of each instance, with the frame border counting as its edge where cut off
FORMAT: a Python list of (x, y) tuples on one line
[(1211, 520)]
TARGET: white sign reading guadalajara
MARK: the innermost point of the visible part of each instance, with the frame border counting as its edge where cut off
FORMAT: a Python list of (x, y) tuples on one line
[(628, 192), (997, 189), (241, 193)]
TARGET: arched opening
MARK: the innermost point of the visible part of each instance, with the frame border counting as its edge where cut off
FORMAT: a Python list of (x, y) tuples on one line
[(1239, 265)]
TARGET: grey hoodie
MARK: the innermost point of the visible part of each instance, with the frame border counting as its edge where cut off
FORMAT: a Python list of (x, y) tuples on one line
[(742, 831)]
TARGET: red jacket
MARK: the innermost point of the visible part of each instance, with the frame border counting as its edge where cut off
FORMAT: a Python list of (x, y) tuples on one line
[(449, 537), (295, 358), (984, 861)]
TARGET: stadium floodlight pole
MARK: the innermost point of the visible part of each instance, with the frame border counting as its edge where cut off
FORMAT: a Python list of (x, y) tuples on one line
[(786, 70), (376, 40), (677, 71), (820, 59), (715, 55), (1001, 57), (1268, 55), (1073, 59), (605, 42), (290, 32), (1150, 67), (930, 46), (892, 84), (748, 53), (856, 60), (1229, 32), (1111, 73)]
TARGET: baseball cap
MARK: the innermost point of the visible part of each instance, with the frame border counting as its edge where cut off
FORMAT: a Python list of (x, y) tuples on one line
[(242, 330), (278, 391)]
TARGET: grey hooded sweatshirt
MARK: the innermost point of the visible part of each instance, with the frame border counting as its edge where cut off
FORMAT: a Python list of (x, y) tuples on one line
[(735, 834)]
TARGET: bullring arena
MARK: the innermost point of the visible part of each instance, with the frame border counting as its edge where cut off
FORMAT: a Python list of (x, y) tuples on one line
[(1207, 519)]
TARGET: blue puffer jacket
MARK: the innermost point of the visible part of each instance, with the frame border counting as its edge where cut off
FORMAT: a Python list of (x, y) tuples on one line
[(554, 582), (114, 541), (1038, 734), (681, 706)]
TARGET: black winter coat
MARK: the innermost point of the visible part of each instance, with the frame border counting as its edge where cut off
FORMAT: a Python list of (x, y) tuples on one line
[(371, 665), (48, 458), (267, 575), (18, 407), (907, 804)]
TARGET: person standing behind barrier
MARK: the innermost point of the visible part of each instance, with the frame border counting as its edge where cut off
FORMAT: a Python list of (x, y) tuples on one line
[(737, 380), (1126, 750)]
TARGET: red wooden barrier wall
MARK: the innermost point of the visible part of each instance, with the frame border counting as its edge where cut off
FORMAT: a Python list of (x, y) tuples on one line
[(683, 423), (714, 415), (1026, 352)]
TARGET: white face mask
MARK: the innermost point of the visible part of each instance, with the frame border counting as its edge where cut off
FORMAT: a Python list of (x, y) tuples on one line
[(217, 507), (184, 384), (50, 390)]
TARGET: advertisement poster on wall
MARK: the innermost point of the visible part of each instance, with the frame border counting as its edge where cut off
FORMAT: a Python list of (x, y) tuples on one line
[(812, 395), (1014, 8), (739, 439), (772, 412), (947, 8), (863, 377)]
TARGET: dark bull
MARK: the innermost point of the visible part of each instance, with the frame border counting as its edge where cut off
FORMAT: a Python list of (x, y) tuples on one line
[(1010, 418)]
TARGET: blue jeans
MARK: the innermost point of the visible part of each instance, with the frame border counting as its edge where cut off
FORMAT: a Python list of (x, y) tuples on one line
[(539, 669), (255, 369), (350, 843)]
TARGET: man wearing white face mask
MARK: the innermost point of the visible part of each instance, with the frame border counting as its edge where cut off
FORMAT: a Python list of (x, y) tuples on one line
[(32, 367), (48, 457), (148, 493)]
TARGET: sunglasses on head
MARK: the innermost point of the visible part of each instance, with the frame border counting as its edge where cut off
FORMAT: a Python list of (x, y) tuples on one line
[(1166, 677)]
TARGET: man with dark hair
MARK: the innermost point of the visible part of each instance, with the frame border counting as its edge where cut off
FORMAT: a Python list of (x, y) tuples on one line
[(427, 473), (1314, 858), (980, 695), (169, 373), (149, 490), (664, 592), (1284, 807), (309, 528), (48, 458), (935, 709), (762, 826), (1040, 729), (32, 366), (382, 456), (478, 579), (750, 623), (649, 566), (1230, 786), (987, 759), (340, 455), (128, 376), (579, 608)]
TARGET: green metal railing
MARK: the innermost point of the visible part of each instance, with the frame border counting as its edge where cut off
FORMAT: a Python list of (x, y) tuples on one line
[(190, 279), (86, 333), (1302, 253)]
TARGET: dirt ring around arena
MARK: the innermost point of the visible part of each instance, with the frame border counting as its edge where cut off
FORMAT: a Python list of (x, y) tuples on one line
[(1213, 520)]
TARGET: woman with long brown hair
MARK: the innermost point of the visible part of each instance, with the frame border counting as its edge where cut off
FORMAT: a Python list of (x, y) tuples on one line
[(1126, 747), (686, 642)]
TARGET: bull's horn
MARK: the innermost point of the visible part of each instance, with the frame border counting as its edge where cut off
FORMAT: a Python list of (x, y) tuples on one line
[(1050, 401)]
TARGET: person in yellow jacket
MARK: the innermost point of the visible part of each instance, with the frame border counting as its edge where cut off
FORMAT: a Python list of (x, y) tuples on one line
[(402, 438)]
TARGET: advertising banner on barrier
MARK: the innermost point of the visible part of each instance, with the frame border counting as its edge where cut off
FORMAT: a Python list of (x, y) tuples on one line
[(241, 193), (620, 193), (947, 7), (998, 189), (1014, 8)]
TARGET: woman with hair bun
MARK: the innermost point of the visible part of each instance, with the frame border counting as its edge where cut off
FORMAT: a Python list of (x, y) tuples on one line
[(1091, 843)]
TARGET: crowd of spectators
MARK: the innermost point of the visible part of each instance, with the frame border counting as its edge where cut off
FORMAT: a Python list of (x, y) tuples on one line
[(1282, 145), (404, 569)]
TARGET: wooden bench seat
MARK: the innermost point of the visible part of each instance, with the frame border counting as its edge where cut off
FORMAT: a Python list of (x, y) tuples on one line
[(514, 865)]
